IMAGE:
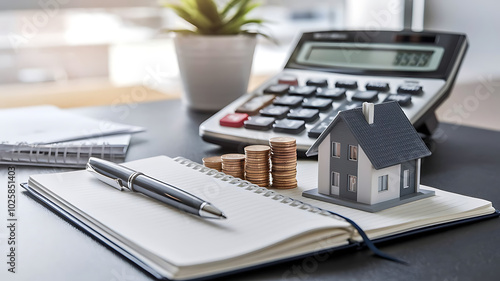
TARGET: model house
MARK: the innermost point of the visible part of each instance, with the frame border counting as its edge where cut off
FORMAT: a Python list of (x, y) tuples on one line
[(369, 158)]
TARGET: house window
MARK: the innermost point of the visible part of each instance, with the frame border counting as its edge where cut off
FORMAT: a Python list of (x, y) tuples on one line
[(335, 179), (406, 178), (335, 149), (353, 153), (352, 183), (383, 184)]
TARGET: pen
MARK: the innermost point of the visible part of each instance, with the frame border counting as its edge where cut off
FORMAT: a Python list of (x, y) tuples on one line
[(123, 178)]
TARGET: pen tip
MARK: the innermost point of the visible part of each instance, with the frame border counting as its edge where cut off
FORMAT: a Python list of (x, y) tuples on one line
[(207, 210)]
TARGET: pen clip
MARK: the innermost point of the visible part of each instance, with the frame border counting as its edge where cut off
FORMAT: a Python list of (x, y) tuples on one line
[(114, 182)]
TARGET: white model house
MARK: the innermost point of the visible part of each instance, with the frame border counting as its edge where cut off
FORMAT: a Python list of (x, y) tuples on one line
[(369, 158)]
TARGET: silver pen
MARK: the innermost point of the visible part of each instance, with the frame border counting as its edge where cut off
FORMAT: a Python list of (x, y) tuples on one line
[(123, 178)]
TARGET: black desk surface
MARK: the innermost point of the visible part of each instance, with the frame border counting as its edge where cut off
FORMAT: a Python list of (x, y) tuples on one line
[(465, 160)]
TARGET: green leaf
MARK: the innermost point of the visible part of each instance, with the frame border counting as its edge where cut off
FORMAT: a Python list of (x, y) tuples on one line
[(209, 10), (235, 27), (267, 36), (242, 11), (228, 7), (209, 18), (197, 20), (189, 3)]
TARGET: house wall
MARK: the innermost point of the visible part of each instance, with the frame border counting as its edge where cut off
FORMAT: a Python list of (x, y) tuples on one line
[(368, 181), (411, 166), (417, 175), (324, 174), (341, 133), (394, 187), (365, 171)]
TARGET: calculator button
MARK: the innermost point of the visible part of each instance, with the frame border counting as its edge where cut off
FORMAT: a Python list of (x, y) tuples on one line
[(253, 105), (402, 99), (317, 103), (331, 93), (288, 80), (278, 89), (321, 126), (233, 120), (306, 114), (410, 89), (318, 82), (260, 123), (276, 111), (289, 126), (346, 84), (349, 105), (290, 101), (378, 86), (365, 96), (304, 91)]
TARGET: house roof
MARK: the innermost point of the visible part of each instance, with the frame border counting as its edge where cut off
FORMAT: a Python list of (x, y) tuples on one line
[(390, 140)]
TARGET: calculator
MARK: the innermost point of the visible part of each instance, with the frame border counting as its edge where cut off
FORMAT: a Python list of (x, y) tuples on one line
[(331, 71)]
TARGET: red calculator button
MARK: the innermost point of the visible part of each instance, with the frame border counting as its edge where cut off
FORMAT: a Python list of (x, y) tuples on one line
[(289, 80), (233, 120)]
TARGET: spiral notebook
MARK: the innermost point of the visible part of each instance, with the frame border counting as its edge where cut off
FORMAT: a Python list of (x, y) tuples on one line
[(70, 154), (263, 226), (48, 136)]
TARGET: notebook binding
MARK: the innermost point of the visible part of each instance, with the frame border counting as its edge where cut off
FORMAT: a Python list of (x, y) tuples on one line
[(253, 187), (57, 155)]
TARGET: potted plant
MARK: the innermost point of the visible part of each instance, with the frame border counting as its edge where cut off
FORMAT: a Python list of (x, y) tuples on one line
[(215, 56)]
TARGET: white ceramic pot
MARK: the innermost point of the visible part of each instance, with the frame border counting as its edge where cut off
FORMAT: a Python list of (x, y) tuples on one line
[(214, 69)]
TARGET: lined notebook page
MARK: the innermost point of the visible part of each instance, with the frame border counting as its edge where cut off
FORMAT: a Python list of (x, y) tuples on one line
[(442, 207), (254, 221)]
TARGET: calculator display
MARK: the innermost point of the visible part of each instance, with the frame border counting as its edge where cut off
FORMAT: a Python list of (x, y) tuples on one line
[(393, 57)]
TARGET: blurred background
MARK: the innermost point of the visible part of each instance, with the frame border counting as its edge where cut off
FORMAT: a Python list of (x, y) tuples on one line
[(79, 53)]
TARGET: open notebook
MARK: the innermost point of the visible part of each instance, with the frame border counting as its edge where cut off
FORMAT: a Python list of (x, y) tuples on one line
[(263, 226)]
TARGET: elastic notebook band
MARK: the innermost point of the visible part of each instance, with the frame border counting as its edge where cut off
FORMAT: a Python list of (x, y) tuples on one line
[(368, 242), (291, 202)]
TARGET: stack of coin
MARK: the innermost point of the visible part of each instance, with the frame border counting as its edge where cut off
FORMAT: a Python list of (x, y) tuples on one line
[(214, 162), (234, 164), (257, 164), (284, 162)]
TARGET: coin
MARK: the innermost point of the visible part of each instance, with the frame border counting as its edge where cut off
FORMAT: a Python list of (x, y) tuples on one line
[(214, 162), (233, 156), (284, 162), (282, 140), (233, 164), (257, 164)]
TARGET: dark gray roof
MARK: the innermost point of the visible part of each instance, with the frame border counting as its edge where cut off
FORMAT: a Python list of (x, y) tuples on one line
[(390, 140)]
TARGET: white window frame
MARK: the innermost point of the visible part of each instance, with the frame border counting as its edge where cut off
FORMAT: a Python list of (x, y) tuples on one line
[(352, 185), (336, 149), (383, 183), (335, 179), (406, 178), (353, 151)]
